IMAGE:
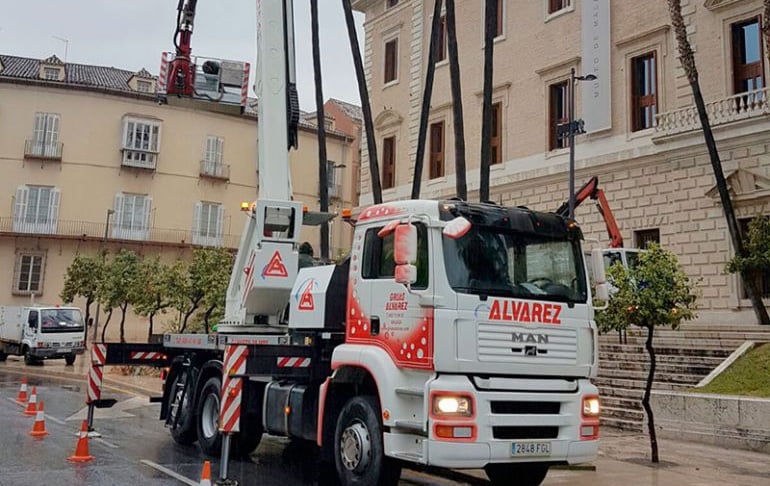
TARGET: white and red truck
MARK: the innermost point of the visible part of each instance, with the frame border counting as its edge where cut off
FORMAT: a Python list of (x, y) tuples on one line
[(455, 335)]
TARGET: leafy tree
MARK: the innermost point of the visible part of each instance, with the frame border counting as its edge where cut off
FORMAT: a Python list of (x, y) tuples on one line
[(158, 285), (221, 264), (121, 286), (756, 261), (82, 280), (655, 292), (203, 276)]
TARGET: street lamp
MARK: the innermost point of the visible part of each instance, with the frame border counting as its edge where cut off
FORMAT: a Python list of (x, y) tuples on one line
[(574, 127), (110, 212)]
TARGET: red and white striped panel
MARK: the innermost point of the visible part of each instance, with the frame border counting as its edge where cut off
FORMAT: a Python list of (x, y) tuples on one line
[(99, 354), (292, 362), (245, 84), (232, 388), (145, 355), (163, 76), (94, 391)]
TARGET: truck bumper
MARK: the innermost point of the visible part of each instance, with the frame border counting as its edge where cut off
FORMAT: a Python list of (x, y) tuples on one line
[(54, 353), (505, 418)]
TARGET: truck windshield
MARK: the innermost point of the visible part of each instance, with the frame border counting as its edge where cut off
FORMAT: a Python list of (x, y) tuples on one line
[(61, 320), (499, 262)]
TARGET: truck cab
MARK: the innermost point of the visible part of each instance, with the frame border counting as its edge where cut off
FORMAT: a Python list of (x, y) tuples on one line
[(42, 332)]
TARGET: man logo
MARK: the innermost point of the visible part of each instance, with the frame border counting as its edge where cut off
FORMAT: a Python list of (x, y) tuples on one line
[(528, 338)]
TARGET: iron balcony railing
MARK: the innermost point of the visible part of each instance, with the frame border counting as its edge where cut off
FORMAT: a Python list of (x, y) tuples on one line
[(38, 149), (91, 230), (214, 170), (139, 159)]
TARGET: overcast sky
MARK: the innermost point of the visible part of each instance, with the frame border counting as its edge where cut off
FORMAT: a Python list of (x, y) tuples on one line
[(131, 34)]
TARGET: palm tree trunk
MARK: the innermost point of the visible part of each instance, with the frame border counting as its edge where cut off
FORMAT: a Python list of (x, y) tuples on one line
[(363, 92), (419, 160), (766, 25), (323, 176), (457, 101), (687, 58), (646, 397), (490, 29)]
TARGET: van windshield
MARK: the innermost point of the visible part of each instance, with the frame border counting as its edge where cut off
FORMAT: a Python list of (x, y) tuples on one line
[(61, 320), (500, 262)]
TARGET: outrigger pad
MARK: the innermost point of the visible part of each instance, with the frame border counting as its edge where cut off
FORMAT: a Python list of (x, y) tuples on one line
[(316, 218)]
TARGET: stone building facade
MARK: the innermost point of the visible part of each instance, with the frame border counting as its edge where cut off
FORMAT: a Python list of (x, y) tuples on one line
[(643, 139)]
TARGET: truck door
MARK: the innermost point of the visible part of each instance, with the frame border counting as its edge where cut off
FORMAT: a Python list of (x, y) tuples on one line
[(392, 315)]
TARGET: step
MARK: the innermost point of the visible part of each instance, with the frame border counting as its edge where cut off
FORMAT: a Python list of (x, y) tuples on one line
[(666, 350), (636, 415), (660, 376), (676, 342), (620, 402), (619, 392), (675, 368), (609, 382), (710, 361), (622, 424), (760, 335)]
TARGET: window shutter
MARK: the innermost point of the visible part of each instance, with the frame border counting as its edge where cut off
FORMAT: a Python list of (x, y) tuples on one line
[(39, 128), (198, 208), (117, 217), (147, 213), (53, 210), (220, 149), (52, 129), (20, 207), (220, 221)]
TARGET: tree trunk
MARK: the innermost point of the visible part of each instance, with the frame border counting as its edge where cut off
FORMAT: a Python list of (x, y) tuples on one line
[(363, 92), (151, 326), (106, 323), (419, 160), (187, 316), (89, 301), (206, 317), (123, 323), (490, 29), (687, 58), (457, 101), (646, 398), (323, 176)]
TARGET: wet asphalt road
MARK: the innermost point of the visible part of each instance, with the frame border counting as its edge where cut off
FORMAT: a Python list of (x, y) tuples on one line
[(132, 433)]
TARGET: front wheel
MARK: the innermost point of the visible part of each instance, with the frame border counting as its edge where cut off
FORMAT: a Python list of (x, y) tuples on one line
[(30, 360), (524, 474), (69, 360), (359, 455), (209, 438), (3, 356)]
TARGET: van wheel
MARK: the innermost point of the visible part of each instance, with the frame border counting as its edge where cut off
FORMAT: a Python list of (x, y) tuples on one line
[(30, 360), (207, 414), (69, 360), (359, 455), (524, 474), (3, 356), (182, 414)]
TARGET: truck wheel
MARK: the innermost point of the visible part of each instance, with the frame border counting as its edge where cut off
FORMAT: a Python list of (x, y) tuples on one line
[(359, 455), (185, 432), (524, 474), (247, 440), (69, 360), (3, 356), (209, 438), (30, 360)]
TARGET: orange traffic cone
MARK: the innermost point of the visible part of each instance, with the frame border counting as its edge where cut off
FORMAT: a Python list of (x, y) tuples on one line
[(38, 429), (32, 403), (22, 396), (206, 475), (81, 451)]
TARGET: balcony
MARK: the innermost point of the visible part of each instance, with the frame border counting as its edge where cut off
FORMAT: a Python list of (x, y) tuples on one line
[(736, 108), (139, 159), (214, 170), (40, 150), (86, 230)]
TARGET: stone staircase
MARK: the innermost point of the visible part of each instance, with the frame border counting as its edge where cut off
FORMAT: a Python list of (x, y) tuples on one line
[(684, 357)]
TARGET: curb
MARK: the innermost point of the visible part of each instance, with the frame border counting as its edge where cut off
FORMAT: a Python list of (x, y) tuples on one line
[(108, 382)]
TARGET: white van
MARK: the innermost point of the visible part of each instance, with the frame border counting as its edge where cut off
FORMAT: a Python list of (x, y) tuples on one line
[(41, 332)]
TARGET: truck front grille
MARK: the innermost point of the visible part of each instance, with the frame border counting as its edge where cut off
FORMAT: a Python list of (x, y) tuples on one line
[(525, 408), (526, 345), (524, 432)]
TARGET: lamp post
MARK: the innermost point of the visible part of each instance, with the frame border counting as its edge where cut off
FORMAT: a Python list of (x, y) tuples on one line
[(110, 212), (574, 127)]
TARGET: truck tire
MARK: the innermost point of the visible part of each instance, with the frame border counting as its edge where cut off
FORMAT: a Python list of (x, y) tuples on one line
[(359, 455), (207, 415), (3, 356), (30, 360), (69, 360), (185, 432), (247, 440), (524, 474)]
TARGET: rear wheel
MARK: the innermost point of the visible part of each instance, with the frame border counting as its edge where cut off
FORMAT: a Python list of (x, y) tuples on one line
[(3, 356), (30, 360), (522, 474), (209, 438), (181, 413), (69, 360), (359, 455)]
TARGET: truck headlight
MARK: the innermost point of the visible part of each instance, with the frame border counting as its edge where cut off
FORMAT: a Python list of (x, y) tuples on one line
[(591, 406), (452, 405)]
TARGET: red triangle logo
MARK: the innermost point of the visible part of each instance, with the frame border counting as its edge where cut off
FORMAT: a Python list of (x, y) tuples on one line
[(306, 300), (275, 268)]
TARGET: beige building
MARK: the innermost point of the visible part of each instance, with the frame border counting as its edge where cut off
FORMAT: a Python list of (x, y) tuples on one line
[(644, 142), (87, 151)]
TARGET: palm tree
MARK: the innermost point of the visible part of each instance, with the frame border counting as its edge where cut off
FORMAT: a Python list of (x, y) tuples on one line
[(457, 101), (766, 25), (490, 29), (687, 58), (323, 176)]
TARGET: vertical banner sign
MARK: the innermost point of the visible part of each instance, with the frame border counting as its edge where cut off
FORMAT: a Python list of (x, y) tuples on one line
[(232, 388), (597, 95)]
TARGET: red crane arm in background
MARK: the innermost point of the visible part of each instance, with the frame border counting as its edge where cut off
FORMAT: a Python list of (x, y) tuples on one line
[(591, 190)]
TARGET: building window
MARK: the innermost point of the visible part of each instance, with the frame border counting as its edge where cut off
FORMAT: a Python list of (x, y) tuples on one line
[(333, 187), (748, 72), (391, 3), (441, 46), (558, 5), (132, 216), (437, 150), (388, 162), (496, 138), (144, 86), (141, 143), (45, 137), (207, 227), (391, 61), (558, 109), (36, 209), (212, 157), (764, 277), (644, 91), (28, 277), (644, 238), (51, 74), (500, 28)]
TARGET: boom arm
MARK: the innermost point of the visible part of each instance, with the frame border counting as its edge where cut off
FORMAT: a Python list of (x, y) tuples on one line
[(591, 190)]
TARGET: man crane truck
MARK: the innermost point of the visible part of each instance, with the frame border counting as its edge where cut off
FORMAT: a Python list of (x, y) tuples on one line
[(456, 334)]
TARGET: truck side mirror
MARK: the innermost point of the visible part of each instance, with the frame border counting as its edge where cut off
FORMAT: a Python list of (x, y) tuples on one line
[(600, 275), (405, 253)]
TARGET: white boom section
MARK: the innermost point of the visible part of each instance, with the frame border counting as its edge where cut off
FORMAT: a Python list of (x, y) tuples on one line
[(266, 265)]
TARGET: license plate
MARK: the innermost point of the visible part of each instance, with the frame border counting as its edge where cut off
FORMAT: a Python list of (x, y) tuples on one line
[(64, 350), (520, 449)]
